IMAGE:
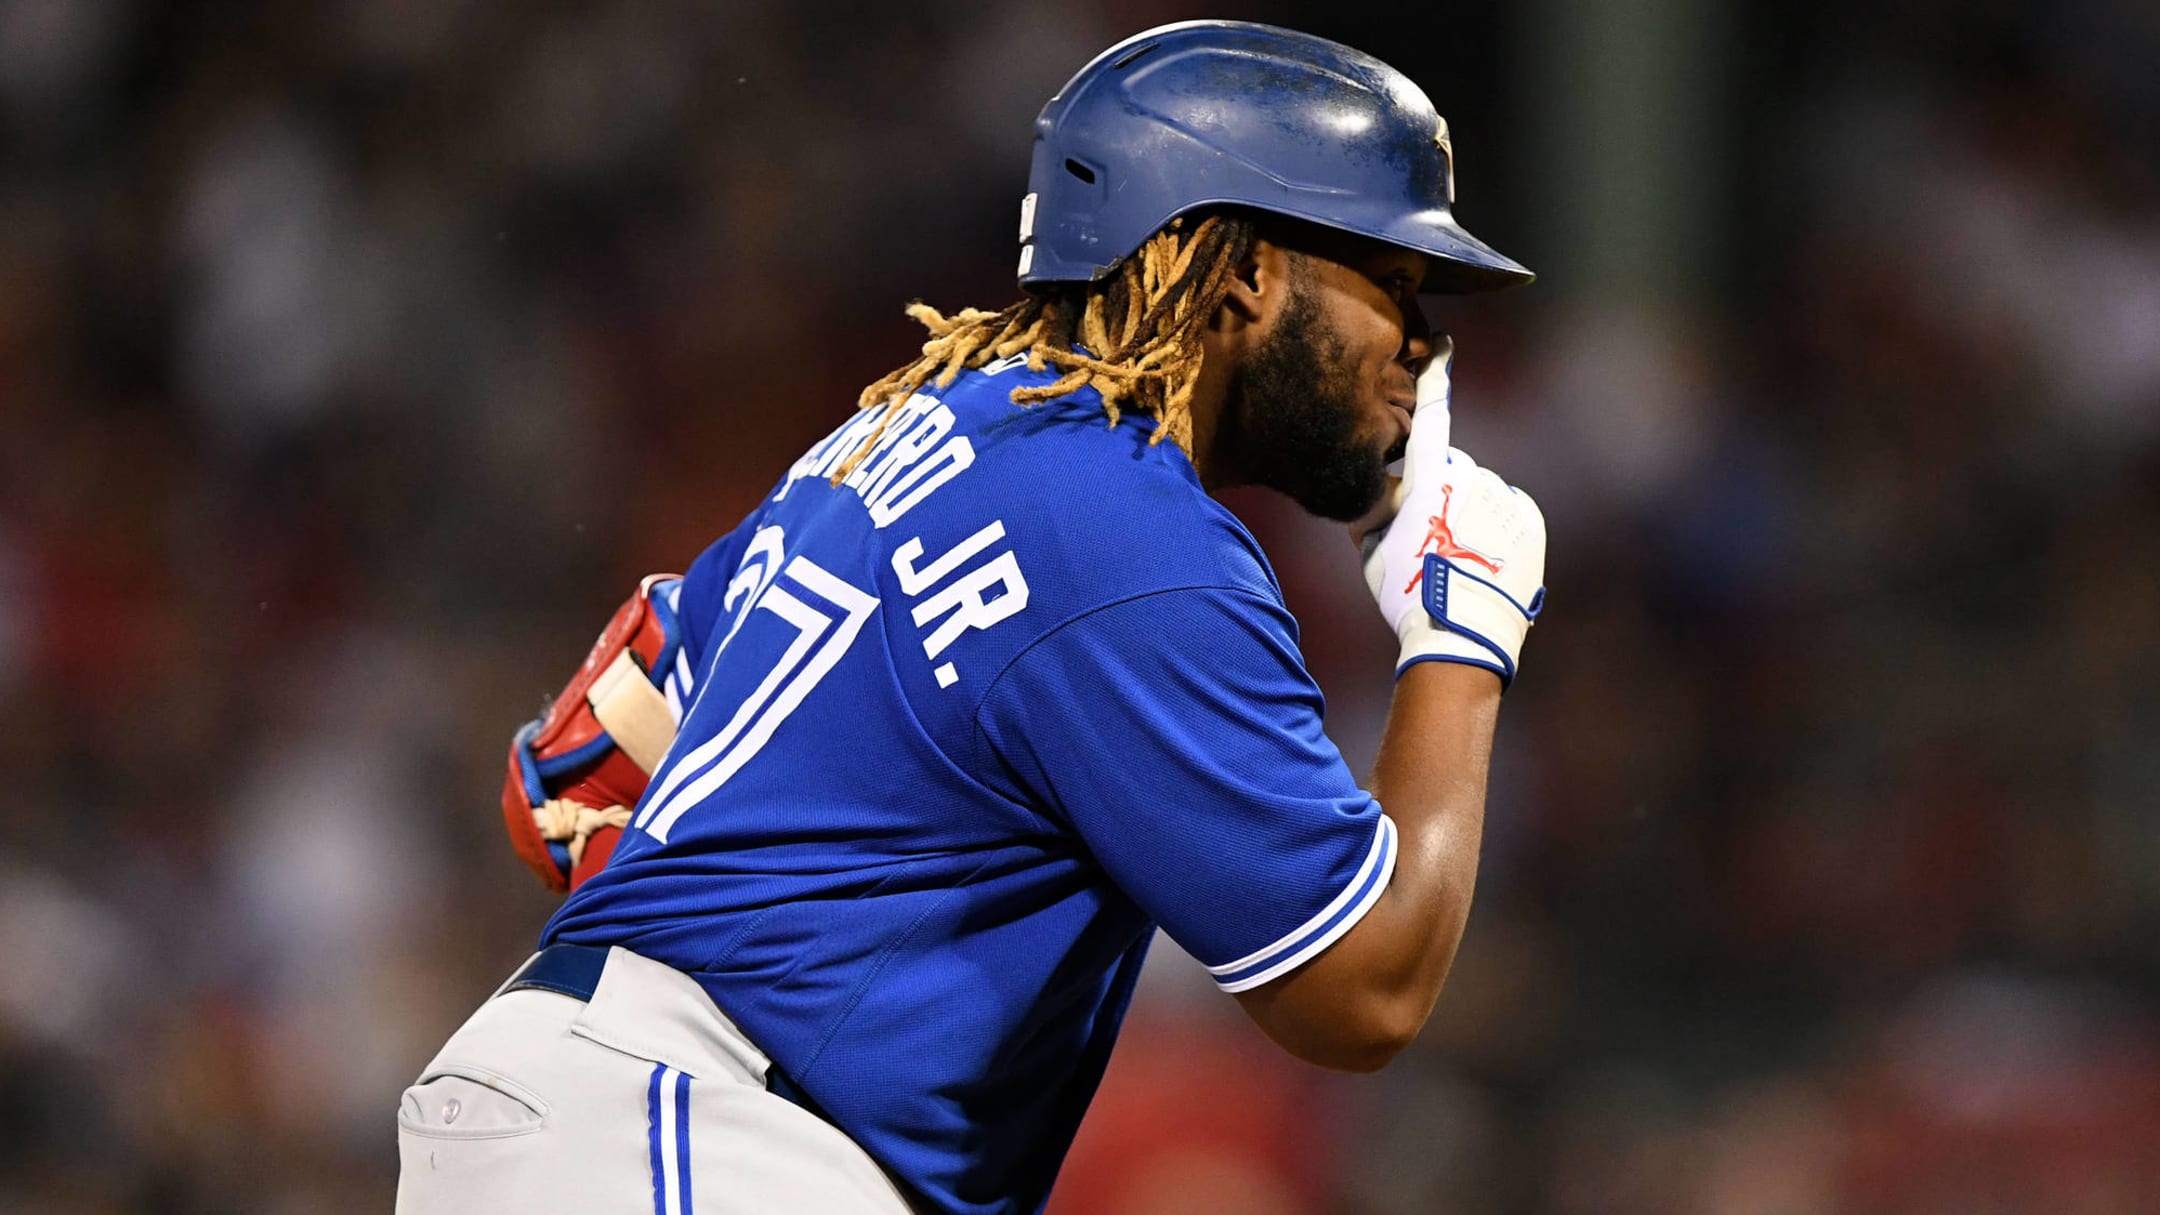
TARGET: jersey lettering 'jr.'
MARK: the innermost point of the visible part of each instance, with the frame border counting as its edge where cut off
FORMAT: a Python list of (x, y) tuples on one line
[(957, 736)]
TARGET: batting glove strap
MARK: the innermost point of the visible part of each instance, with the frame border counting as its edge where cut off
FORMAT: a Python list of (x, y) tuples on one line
[(1470, 619)]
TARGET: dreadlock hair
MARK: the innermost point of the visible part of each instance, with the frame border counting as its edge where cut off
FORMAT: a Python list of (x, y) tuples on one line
[(1140, 329)]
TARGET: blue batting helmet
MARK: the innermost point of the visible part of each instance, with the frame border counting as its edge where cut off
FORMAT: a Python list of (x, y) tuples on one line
[(1229, 113)]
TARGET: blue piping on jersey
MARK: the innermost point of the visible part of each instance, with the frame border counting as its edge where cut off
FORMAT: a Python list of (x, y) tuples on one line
[(1379, 866)]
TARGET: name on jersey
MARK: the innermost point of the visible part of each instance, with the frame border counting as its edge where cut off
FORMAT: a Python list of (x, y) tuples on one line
[(917, 456), (986, 594), (961, 589)]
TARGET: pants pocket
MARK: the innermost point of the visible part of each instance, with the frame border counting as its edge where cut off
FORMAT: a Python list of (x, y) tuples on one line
[(466, 1103)]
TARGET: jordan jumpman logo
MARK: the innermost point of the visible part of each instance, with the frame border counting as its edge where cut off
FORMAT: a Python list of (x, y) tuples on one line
[(1440, 538)]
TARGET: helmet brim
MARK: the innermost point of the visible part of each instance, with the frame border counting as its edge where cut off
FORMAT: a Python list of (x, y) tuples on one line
[(1462, 264)]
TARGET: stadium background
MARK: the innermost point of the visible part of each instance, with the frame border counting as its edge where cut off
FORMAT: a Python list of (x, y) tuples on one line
[(355, 356)]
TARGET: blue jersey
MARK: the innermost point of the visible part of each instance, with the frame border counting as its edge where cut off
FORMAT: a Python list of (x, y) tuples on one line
[(957, 736)]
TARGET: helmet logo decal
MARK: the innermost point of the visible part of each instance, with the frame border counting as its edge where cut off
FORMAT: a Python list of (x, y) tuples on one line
[(1447, 156)]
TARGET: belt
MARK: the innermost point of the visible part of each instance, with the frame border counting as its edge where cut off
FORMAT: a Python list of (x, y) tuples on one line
[(574, 971), (570, 970)]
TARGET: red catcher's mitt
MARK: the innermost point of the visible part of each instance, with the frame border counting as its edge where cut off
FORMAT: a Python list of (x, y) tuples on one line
[(577, 771)]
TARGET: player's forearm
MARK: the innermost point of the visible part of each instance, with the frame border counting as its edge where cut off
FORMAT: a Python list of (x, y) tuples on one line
[(1457, 570), (1357, 1005), (1430, 778)]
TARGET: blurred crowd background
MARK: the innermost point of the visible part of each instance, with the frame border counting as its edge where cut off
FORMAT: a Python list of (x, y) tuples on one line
[(357, 355)]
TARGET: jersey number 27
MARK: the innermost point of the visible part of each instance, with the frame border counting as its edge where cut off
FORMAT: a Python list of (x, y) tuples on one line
[(825, 613)]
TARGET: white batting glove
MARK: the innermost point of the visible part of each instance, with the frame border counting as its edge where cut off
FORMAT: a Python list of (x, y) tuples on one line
[(1459, 572)]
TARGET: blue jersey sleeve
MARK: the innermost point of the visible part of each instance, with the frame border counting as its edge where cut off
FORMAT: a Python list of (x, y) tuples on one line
[(1179, 735)]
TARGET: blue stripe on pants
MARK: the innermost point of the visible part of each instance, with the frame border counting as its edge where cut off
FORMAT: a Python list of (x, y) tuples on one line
[(652, 1117), (682, 1137)]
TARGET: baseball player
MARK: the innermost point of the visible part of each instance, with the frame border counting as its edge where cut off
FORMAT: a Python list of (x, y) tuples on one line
[(871, 816)]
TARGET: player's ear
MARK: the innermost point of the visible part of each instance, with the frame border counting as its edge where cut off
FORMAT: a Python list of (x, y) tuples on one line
[(1261, 278)]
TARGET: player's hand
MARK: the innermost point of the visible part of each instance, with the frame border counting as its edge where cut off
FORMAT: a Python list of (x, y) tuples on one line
[(1459, 568)]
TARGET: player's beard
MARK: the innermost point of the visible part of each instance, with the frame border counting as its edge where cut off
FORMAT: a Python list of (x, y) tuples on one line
[(1298, 432)]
